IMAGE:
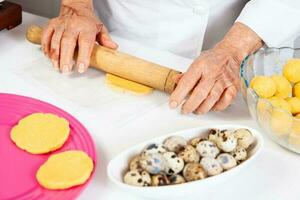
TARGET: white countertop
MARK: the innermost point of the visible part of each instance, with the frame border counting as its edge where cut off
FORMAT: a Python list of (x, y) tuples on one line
[(274, 175)]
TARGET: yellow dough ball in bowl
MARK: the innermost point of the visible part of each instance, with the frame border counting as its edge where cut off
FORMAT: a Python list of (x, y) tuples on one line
[(295, 104), (40, 133), (296, 90), (291, 70), (263, 111), (296, 125), (280, 103), (64, 170), (281, 122), (264, 86), (283, 86)]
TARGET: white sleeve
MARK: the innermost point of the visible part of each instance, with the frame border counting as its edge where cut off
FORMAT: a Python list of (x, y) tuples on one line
[(275, 21)]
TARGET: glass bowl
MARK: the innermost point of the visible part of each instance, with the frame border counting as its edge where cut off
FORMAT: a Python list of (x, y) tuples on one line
[(279, 125)]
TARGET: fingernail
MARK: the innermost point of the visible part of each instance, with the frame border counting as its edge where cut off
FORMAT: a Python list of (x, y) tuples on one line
[(184, 112), (173, 104), (55, 64), (81, 68), (65, 69)]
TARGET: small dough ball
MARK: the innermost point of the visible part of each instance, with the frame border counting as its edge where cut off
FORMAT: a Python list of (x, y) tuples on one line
[(283, 86), (281, 122), (296, 90), (175, 164), (291, 70), (295, 104), (137, 178), (239, 154), (176, 179), (264, 86), (189, 154), (296, 125), (226, 141), (213, 135), (65, 170), (280, 103), (159, 180), (264, 108), (153, 163), (244, 137), (134, 163), (207, 149), (40, 133), (193, 172), (153, 148), (227, 161), (211, 166), (175, 143)]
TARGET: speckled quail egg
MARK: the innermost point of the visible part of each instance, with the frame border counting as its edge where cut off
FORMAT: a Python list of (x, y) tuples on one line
[(137, 178), (213, 135), (244, 137), (135, 163), (153, 163), (195, 141), (207, 149), (153, 148), (226, 160), (226, 141), (159, 180), (189, 154), (176, 179), (174, 143), (175, 164), (239, 154), (211, 166), (193, 172)]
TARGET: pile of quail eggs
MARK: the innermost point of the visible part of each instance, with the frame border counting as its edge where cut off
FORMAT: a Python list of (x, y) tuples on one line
[(177, 161)]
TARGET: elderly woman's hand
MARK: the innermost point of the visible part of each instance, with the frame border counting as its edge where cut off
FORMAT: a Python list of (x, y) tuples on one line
[(212, 81), (76, 25)]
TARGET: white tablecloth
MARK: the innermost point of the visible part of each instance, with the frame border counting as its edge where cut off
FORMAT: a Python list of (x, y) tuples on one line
[(275, 174)]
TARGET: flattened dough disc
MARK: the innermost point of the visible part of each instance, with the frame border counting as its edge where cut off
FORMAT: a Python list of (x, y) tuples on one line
[(126, 85), (65, 170), (40, 133)]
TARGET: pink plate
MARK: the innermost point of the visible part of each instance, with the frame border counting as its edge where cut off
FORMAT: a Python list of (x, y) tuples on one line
[(17, 167)]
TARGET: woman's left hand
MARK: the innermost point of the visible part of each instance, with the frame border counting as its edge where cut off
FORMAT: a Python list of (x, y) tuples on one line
[(212, 81)]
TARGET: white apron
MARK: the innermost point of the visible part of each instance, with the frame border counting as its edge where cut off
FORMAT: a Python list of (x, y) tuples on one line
[(177, 26)]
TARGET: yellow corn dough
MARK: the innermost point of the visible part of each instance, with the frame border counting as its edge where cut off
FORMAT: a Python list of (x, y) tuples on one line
[(65, 170), (291, 70), (40, 133), (127, 85), (264, 86), (283, 86)]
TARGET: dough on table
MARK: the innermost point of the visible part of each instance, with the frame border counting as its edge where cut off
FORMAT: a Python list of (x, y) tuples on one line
[(40, 133), (126, 85), (64, 170)]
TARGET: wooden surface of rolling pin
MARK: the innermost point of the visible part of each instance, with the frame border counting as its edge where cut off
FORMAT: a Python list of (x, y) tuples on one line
[(123, 65)]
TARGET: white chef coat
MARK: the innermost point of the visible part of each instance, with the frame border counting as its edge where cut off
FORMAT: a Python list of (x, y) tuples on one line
[(185, 27)]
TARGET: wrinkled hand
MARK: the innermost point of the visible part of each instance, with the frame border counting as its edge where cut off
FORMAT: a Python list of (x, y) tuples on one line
[(75, 27), (211, 83)]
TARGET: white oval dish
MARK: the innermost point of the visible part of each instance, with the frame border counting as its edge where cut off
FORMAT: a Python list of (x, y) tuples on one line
[(118, 166)]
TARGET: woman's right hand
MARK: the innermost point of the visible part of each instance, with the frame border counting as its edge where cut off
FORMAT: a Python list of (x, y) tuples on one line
[(76, 25)]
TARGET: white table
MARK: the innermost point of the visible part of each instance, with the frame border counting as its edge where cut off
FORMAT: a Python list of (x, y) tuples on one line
[(275, 174)]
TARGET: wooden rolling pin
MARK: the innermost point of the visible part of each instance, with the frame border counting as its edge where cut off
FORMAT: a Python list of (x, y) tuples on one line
[(123, 65)]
